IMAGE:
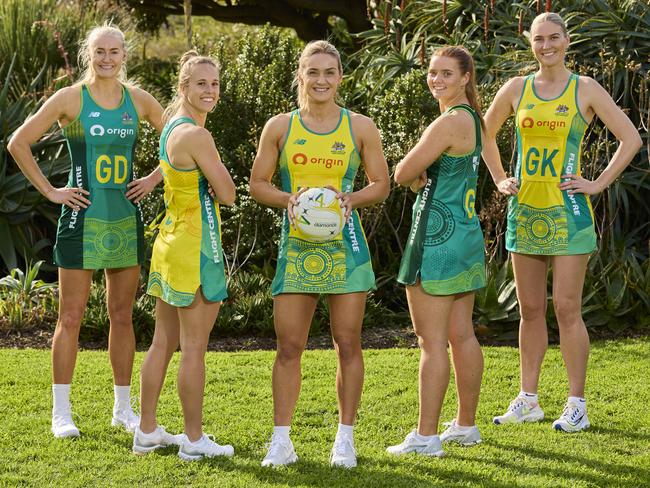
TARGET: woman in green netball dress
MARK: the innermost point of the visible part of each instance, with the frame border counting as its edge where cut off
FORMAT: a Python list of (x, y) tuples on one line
[(443, 262), (550, 220), (100, 227), (187, 269), (320, 144)]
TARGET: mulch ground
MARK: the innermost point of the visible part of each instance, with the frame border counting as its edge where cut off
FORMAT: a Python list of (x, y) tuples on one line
[(374, 338)]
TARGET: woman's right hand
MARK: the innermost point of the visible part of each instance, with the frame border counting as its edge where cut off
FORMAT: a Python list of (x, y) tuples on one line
[(508, 186), (71, 197), (293, 201)]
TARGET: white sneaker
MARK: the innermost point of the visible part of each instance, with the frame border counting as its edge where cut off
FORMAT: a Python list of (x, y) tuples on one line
[(520, 410), (573, 419), (63, 426), (145, 443), (204, 447), (411, 444), (462, 436), (343, 453), (127, 419), (280, 453)]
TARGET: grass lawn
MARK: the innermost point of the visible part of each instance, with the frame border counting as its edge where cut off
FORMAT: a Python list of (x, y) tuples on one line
[(238, 410)]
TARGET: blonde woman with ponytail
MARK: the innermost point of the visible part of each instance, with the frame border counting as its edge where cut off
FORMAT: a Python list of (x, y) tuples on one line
[(550, 218), (100, 225), (301, 142), (187, 274), (443, 263)]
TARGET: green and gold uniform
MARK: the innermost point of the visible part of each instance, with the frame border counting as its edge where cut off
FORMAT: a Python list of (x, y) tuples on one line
[(542, 219), (445, 248), (109, 233), (341, 265), (187, 253)]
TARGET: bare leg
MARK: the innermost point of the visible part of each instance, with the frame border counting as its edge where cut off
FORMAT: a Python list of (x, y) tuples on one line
[(292, 315), (121, 286), (154, 368), (196, 322), (568, 280), (467, 357), (530, 276), (74, 287), (346, 318), (430, 316)]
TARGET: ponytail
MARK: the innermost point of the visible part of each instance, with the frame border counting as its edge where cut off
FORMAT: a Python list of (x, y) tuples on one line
[(466, 64)]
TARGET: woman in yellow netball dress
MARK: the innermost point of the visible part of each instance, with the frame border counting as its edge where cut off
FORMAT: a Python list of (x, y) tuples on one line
[(187, 273), (550, 221), (318, 145)]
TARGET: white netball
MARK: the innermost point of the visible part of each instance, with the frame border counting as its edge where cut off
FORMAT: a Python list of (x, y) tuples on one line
[(318, 215)]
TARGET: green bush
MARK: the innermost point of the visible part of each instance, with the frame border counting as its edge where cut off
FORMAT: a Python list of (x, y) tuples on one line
[(26, 301)]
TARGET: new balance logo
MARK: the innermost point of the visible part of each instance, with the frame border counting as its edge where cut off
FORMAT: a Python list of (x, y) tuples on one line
[(94, 115)]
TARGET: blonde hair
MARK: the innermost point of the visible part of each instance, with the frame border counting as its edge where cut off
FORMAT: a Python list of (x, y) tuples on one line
[(314, 47), (550, 17), (186, 65), (86, 47)]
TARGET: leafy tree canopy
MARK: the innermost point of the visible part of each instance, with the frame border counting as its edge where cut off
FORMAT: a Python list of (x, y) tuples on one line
[(311, 19)]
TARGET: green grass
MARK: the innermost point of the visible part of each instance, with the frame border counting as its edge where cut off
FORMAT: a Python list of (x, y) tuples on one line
[(238, 410)]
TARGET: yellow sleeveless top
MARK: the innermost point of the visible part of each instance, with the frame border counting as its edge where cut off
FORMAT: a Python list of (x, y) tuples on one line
[(187, 253), (312, 159), (542, 219)]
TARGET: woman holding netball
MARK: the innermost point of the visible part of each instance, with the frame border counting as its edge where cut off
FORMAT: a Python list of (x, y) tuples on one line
[(100, 227), (550, 219), (301, 143), (443, 262)]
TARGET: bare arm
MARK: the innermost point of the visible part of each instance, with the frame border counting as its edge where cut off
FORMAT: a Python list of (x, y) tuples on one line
[(266, 160), (63, 106), (598, 101), (197, 142), (150, 110), (374, 164), (501, 108), (441, 136)]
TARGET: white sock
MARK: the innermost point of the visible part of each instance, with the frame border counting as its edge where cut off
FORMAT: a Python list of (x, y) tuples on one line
[(424, 438), (464, 428), (581, 402), (531, 397), (345, 430), (281, 432), (122, 397), (61, 398)]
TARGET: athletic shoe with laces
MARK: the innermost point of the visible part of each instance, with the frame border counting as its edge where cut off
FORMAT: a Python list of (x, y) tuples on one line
[(520, 410), (280, 453), (204, 447), (63, 425), (343, 453), (463, 436), (412, 444), (145, 443), (573, 419), (127, 419)]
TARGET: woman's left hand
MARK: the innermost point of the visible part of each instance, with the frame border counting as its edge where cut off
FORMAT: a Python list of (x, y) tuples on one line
[(578, 184), (140, 188), (346, 200)]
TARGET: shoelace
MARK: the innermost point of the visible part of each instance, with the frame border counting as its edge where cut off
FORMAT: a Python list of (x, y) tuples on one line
[(571, 411), (516, 404), (274, 447)]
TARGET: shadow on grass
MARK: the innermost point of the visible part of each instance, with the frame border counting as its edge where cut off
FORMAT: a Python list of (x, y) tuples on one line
[(608, 470)]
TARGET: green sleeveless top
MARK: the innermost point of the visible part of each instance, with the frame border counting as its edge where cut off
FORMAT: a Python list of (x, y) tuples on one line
[(109, 233), (445, 249)]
